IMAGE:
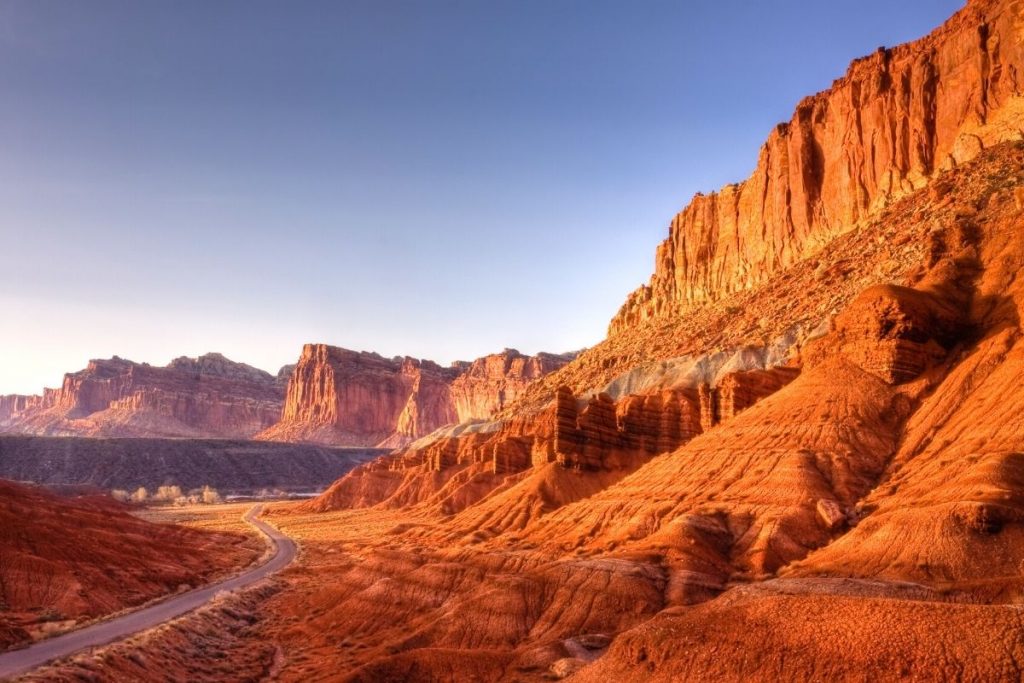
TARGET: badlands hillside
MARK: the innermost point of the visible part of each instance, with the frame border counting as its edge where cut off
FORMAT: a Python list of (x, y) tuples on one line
[(64, 561), (796, 456)]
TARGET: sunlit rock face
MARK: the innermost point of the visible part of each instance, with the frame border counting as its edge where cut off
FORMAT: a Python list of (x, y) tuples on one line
[(881, 131), (344, 397), (208, 396), (490, 383), (458, 465)]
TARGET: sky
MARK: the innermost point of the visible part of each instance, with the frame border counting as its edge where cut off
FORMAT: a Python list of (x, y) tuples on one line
[(437, 179)]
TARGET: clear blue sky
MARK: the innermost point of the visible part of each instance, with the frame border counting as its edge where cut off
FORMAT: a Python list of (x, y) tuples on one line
[(436, 179)]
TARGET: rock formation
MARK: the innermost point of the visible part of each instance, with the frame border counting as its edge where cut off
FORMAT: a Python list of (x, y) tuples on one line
[(332, 396), (883, 130), (874, 481), (191, 397), (14, 404), (490, 383), (582, 434), (343, 397)]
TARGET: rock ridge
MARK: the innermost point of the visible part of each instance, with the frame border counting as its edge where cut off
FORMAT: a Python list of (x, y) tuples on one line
[(883, 130)]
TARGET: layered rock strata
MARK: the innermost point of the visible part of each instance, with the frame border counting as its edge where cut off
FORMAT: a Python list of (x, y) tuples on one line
[(895, 120), (205, 396), (582, 434), (490, 383), (343, 397)]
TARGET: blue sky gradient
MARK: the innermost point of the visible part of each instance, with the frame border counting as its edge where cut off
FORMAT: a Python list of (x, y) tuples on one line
[(436, 179)]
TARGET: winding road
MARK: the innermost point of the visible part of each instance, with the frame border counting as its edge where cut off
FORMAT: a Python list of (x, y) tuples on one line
[(21, 661)]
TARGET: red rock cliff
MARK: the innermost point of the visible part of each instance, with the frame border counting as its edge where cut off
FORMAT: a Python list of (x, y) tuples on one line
[(206, 396), (489, 383), (351, 398), (893, 121), (345, 397)]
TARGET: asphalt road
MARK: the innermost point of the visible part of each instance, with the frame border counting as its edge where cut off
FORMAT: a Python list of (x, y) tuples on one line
[(21, 661)]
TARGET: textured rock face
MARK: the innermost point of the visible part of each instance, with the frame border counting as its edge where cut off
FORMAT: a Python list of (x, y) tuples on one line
[(205, 396), (895, 333), (344, 397), (883, 130), (740, 390), (491, 382), (351, 398), (13, 404), (598, 434)]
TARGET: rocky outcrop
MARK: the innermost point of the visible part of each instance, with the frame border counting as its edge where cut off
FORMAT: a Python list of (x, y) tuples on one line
[(488, 384), (343, 397), (595, 434), (190, 397), (890, 124), (13, 404), (740, 390), (895, 333), (351, 398)]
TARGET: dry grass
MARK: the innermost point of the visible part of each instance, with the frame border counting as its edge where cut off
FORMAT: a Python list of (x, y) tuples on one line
[(221, 517)]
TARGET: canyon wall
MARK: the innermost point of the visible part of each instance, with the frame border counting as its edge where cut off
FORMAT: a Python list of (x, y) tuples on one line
[(897, 118), (332, 396), (488, 384), (594, 434), (343, 397), (205, 396), (356, 398)]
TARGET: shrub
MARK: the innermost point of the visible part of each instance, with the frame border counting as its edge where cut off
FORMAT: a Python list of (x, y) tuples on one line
[(167, 493), (210, 495)]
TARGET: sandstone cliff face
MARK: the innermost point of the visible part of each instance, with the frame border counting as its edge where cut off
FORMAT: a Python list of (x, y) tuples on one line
[(13, 404), (453, 469), (492, 382), (205, 396), (344, 397), (350, 398), (883, 130)]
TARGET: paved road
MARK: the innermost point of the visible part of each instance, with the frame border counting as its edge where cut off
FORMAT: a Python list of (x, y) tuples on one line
[(21, 661)]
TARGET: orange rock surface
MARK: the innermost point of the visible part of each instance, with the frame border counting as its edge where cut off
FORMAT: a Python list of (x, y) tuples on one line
[(342, 397), (883, 130), (862, 520), (490, 383), (190, 397)]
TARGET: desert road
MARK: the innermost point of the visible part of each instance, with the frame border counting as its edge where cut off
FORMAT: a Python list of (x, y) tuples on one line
[(21, 661)]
